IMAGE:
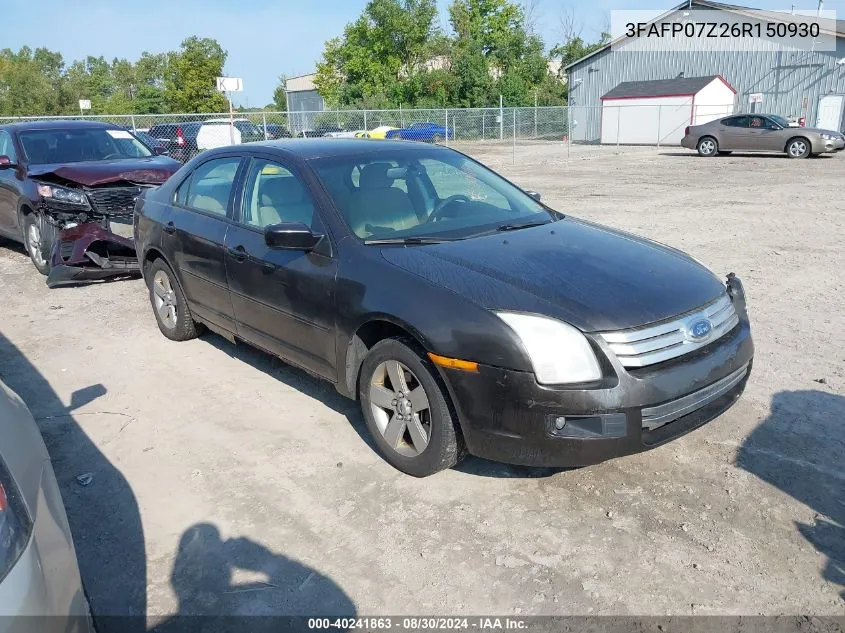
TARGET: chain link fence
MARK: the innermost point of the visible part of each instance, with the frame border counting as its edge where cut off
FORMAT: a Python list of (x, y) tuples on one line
[(526, 134)]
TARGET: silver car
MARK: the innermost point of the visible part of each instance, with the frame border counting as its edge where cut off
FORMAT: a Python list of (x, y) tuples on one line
[(760, 133), (40, 586)]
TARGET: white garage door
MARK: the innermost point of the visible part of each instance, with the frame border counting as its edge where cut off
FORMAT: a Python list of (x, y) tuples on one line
[(830, 112)]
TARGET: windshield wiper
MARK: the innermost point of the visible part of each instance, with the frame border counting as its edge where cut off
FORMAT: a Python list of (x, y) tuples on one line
[(410, 241), (516, 227)]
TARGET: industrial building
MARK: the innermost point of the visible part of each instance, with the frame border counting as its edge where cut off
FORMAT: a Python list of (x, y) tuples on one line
[(807, 84), (303, 102)]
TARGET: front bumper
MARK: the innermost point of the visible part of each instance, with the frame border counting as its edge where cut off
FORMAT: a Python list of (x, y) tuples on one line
[(89, 252), (507, 416), (823, 146)]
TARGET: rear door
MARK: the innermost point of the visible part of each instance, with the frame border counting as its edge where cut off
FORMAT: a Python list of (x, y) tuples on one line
[(283, 299), (734, 133), (197, 233)]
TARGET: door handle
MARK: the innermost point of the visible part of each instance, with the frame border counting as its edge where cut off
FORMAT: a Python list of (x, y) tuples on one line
[(238, 253), (170, 228)]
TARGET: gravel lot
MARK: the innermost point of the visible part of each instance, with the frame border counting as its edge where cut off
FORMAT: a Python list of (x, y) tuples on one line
[(227, 482)]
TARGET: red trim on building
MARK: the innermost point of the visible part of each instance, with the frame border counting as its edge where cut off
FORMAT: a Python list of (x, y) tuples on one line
[(691, 94)]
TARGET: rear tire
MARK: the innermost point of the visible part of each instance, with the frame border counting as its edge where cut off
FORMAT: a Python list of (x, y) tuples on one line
[(429, 416), (39, 236), (798, 147), (707, 146), (169, 304), (436, 138)]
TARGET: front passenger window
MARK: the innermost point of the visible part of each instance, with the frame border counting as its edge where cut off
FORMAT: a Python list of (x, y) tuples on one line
[(211, 185), (7, 147), (275, 195)]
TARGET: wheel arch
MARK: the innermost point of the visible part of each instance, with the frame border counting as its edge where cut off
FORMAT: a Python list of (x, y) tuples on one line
[(373, 329), (795, 138)]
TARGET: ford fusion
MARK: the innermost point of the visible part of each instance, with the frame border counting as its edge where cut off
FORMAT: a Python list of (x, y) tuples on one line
[(464, 314)]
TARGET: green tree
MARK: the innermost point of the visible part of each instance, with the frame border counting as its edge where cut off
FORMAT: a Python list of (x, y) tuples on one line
[(574, 48), (388, 43), (280, 100), (190, 77)]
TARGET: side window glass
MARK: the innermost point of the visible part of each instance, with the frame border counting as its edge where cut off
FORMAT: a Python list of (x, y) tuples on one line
[(7, 146), (275, 195), (211, 185), (756, 122), (448, 180)]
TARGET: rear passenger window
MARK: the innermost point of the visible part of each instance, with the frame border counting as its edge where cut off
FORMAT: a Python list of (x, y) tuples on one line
[(737, 121), (210, 186)]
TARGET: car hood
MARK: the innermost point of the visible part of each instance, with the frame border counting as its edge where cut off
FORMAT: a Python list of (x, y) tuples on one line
[(817, 130), (590, 276), (153, 170)]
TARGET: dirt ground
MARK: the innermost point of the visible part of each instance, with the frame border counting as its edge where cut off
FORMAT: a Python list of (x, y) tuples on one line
[(227, 482)]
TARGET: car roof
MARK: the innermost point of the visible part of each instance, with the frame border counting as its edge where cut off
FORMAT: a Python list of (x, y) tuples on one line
[(311, 148), (60, 124)]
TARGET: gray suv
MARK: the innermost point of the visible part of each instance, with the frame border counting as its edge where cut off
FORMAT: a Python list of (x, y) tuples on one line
[(760, 133)]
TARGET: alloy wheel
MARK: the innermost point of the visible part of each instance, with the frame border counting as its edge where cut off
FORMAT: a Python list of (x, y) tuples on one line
[(33, 242), (165, 299), (400, 407), (707, 147), (797, 148)]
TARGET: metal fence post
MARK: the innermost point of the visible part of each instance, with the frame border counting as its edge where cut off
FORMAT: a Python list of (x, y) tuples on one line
[(514, 136), (446, 112), (264, 123), (366, 128), (501, 119), (659, 110), (134, 129), (568, 132)]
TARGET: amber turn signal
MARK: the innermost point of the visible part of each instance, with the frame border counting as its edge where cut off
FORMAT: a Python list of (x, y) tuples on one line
[(453, 363)]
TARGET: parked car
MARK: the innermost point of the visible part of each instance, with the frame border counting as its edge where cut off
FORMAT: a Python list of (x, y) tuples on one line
[(156, 146), (377, 132), (324, 130), (180, 139), (39, 573), (215, 133), (275, 131), (760, 133), (62, 184), (463, 313), (428, 132)]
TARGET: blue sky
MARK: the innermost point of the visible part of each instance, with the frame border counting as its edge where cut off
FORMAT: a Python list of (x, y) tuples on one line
[(264, 39)]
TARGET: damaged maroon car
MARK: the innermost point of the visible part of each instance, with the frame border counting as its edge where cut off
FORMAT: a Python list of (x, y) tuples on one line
[(66, 187)]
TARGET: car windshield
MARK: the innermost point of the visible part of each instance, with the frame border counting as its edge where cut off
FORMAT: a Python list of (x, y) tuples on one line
[(779, 120), (424, 193), (44, 147)]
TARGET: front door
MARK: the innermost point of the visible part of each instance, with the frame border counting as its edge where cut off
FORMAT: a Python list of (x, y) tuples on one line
[(198, 223), (765, 135), (829, 116), (283, 300)]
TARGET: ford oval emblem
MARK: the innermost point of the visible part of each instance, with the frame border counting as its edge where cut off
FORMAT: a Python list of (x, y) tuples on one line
[(700, 329)]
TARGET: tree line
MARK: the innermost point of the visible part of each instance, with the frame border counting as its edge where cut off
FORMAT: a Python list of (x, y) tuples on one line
[(394, 54), (38, 82)]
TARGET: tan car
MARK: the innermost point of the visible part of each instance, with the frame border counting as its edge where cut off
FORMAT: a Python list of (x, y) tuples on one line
[(760, 133)]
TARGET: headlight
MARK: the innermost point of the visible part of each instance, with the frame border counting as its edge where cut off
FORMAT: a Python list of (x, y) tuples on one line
[(830, 137), (559, 353), (63, 194), (15, 524)]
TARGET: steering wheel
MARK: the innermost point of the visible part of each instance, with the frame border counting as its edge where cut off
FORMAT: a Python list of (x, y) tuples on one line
[(438, 210)]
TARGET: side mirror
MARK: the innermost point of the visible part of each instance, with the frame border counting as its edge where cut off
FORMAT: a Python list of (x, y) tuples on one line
[(159, 150), (6, 162), (291, 236), (534, 194)]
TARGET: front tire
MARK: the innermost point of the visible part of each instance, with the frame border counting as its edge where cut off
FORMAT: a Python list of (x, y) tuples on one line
[(404, 405), (707, 146), (169, 305), (436, 138), (799, 147), (39, 236)]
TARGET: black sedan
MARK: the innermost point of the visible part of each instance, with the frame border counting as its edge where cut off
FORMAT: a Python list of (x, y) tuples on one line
[(464, 314)]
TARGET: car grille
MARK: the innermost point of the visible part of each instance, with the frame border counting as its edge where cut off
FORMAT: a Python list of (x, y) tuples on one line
[(114, 200), (657, 343), (655, 417)]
